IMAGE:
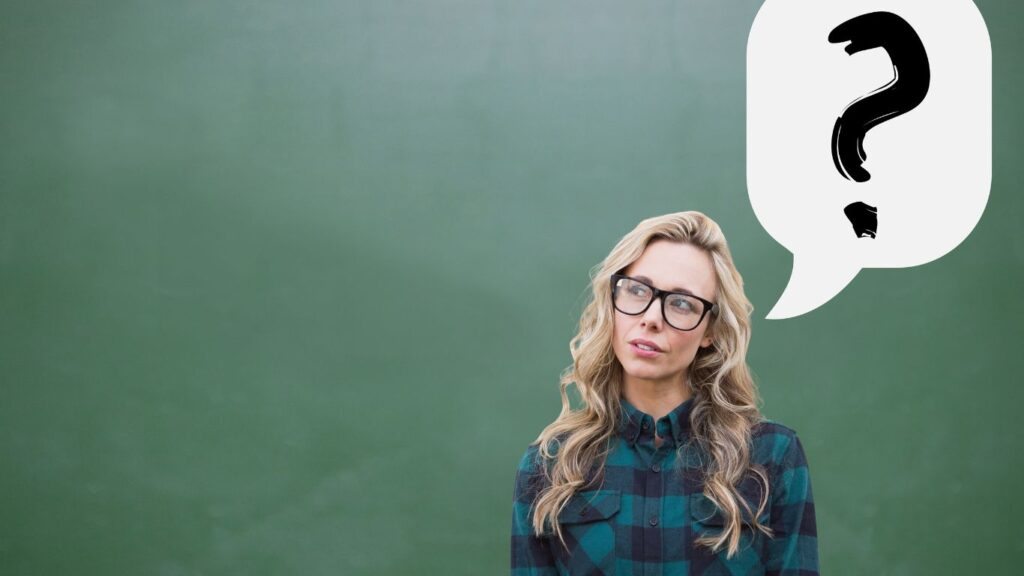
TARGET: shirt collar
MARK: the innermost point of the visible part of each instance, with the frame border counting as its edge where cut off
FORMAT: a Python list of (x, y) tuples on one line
[(635, 425)]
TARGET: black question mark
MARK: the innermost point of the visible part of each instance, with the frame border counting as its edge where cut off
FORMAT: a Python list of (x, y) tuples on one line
[(903, 93)]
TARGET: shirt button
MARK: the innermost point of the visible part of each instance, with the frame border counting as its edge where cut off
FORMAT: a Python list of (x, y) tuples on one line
[(654, 520), (645, 425), (656, 468)]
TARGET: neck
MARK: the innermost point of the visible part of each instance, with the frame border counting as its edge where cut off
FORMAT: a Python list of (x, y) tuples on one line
[(654, 397)]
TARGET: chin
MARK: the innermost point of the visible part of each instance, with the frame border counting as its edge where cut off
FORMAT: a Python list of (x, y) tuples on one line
[(644, 372)]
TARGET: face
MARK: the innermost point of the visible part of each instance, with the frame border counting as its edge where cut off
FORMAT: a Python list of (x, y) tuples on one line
[(669, 266)]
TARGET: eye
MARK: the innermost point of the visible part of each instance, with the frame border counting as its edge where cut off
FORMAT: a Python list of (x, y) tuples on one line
[(637, 289), (682, 304)]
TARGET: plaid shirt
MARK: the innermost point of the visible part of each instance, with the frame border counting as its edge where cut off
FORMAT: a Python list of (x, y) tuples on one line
[(646, 514)]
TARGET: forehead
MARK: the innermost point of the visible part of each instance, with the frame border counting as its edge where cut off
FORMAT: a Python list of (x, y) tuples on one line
[(676, 266)]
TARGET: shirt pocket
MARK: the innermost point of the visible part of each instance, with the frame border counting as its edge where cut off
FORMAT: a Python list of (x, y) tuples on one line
[(707, 520), (588, 526)]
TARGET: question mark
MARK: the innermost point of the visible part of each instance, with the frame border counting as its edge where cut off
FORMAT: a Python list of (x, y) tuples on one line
[(903, 93)]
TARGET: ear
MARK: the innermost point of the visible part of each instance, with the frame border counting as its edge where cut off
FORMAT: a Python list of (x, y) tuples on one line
[(707, 339)]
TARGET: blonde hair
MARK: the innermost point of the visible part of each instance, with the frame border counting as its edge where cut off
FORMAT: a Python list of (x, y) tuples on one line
[(725, 396)]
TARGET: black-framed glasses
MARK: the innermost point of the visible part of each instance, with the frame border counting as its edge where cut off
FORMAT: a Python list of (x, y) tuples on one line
[(680, 310)]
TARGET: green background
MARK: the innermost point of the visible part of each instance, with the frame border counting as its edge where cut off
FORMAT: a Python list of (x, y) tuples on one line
[(285, 288)]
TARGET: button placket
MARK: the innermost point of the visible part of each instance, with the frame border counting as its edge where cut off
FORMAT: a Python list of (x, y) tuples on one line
[(654, 493)]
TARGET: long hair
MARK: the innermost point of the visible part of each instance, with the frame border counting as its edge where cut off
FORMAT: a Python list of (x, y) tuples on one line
[(724, 394)]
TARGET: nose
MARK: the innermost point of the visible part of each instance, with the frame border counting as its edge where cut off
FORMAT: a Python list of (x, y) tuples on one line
[(653, 313)]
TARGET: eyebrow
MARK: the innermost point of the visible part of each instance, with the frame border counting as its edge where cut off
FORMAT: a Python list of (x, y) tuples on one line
[(676, 289)]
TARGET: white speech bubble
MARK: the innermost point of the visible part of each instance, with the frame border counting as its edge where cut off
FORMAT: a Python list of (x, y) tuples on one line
[(931, 168)]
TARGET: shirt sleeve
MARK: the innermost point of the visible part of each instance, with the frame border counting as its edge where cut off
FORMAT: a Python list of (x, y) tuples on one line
[(794, 549), (531, 555)]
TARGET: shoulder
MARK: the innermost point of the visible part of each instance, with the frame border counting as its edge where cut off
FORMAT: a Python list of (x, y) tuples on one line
[(533, 460), (531, 476), (776, 445), (779, 450), (530, 460)]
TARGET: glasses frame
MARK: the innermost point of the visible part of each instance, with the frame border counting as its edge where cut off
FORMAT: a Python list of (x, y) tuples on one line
[(709, 307)]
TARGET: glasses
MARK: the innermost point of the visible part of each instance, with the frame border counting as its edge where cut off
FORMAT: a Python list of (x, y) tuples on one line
[(680, 311)]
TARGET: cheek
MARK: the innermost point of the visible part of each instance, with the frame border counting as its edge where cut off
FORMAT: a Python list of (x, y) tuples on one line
[(618, 333), (621, 325), (622, 328), (685, 345)]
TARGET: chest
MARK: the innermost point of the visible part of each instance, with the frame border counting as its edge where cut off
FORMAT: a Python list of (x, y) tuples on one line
[(643, 515)]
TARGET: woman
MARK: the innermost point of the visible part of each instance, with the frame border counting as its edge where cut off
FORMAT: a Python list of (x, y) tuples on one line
[(668, 467)]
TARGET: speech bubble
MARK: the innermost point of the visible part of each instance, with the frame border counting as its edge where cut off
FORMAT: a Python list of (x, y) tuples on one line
[(930, 165)]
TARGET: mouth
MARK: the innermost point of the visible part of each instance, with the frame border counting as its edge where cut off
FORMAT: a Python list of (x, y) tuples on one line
[(645, 346)]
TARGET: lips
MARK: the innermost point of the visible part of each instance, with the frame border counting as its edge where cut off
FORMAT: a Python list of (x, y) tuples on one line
[(640, 341)]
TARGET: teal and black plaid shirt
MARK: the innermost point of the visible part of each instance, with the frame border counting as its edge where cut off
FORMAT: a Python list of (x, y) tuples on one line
[(650, 508)]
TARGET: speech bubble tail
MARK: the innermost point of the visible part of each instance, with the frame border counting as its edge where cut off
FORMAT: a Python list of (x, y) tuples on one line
[(811, 284)]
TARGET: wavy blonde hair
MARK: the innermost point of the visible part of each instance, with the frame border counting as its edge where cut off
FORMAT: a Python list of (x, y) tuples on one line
[(725, 396)]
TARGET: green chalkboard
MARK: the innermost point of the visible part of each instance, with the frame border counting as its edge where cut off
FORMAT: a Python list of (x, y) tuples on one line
[(286, 287)]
